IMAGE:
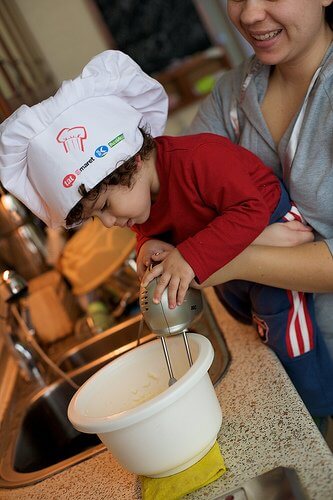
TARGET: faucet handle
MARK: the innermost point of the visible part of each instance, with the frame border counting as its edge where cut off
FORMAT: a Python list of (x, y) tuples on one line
[(12, 286)]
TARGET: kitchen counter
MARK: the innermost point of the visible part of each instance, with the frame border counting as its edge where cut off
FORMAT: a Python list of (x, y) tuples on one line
[(265, 425)]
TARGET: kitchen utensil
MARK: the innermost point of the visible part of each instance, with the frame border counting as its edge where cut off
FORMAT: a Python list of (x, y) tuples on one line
[(13, 286), (48, 315), (281, 483), (172, 378), (24, 250), (150, 428), (12, 213), (165, 322), (22, 243), (94, 253)]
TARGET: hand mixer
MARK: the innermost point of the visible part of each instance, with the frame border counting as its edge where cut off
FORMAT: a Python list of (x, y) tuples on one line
[(165, 322)]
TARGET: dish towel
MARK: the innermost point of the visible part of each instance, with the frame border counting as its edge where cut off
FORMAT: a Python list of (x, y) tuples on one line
[(174, 487)]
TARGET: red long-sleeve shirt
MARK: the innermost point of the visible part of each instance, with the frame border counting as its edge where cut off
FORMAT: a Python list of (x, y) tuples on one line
[(215, 198)]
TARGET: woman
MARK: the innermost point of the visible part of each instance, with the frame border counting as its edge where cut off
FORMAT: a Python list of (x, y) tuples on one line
[(279, 105)]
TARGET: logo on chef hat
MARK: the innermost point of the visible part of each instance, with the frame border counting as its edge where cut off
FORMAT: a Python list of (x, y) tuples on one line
[(72, 138), (68, 180)]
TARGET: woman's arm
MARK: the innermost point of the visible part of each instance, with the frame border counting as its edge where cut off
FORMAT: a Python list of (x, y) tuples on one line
[(307, 267)]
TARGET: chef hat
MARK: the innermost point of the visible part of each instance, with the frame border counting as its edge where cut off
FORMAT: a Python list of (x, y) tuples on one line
[(80, 135)]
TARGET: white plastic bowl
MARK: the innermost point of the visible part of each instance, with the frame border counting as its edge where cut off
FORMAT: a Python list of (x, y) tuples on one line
[(150, 428)]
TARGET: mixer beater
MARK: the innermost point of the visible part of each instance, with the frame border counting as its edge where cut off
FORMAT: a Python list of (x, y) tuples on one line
[(165, 322)]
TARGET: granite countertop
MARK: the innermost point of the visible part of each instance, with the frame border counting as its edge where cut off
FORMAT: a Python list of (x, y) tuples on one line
[(265, 425)]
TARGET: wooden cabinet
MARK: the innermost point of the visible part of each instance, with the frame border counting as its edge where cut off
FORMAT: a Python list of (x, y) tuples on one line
[(192, 78)]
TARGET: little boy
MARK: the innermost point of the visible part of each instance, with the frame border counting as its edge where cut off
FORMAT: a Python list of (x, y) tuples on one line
[(86, 152)]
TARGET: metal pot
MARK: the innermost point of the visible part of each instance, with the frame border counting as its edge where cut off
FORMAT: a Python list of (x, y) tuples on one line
[(12, 214), (24, 250)]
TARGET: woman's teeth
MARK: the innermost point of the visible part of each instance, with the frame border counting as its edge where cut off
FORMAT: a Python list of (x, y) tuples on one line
[(267, 36)]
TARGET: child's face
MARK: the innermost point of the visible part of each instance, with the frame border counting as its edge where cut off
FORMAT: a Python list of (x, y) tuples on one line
[(120, 205)]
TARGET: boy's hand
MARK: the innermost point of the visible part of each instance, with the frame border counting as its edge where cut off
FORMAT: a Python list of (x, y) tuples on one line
[(149, 249), (175, 274), (285, 234)]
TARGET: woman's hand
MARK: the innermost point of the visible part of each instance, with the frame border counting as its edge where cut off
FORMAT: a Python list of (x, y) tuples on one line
[(175, 274), (285, 234), (147, 252)]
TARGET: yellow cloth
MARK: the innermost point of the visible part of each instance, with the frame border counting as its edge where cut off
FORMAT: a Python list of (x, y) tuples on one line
[(207, 470), (94, 253)]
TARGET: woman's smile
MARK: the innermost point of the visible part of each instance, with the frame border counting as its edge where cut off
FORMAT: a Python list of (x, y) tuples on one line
[(282, 31), (264, 39)]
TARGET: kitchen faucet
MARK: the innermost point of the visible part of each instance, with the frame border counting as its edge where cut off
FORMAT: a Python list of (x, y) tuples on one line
[(12, 288), (20, 333)]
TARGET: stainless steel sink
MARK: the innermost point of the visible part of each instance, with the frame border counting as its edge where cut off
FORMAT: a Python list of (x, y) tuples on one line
[(107, 345), (115, 341), (37, 439)]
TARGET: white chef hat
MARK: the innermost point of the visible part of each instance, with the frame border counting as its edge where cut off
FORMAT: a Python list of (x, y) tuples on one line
[(80, 135)]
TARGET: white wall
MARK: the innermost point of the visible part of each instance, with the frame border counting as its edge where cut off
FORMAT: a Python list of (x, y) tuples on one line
[(66, 33)]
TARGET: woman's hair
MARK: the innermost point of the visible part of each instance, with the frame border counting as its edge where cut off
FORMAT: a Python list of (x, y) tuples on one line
[(123, 175), (329, 15)]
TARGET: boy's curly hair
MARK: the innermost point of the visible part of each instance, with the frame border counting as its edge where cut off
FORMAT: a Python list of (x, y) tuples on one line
[(123, 175)]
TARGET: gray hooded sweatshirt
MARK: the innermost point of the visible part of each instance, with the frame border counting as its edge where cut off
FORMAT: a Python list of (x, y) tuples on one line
[(310, 179)]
